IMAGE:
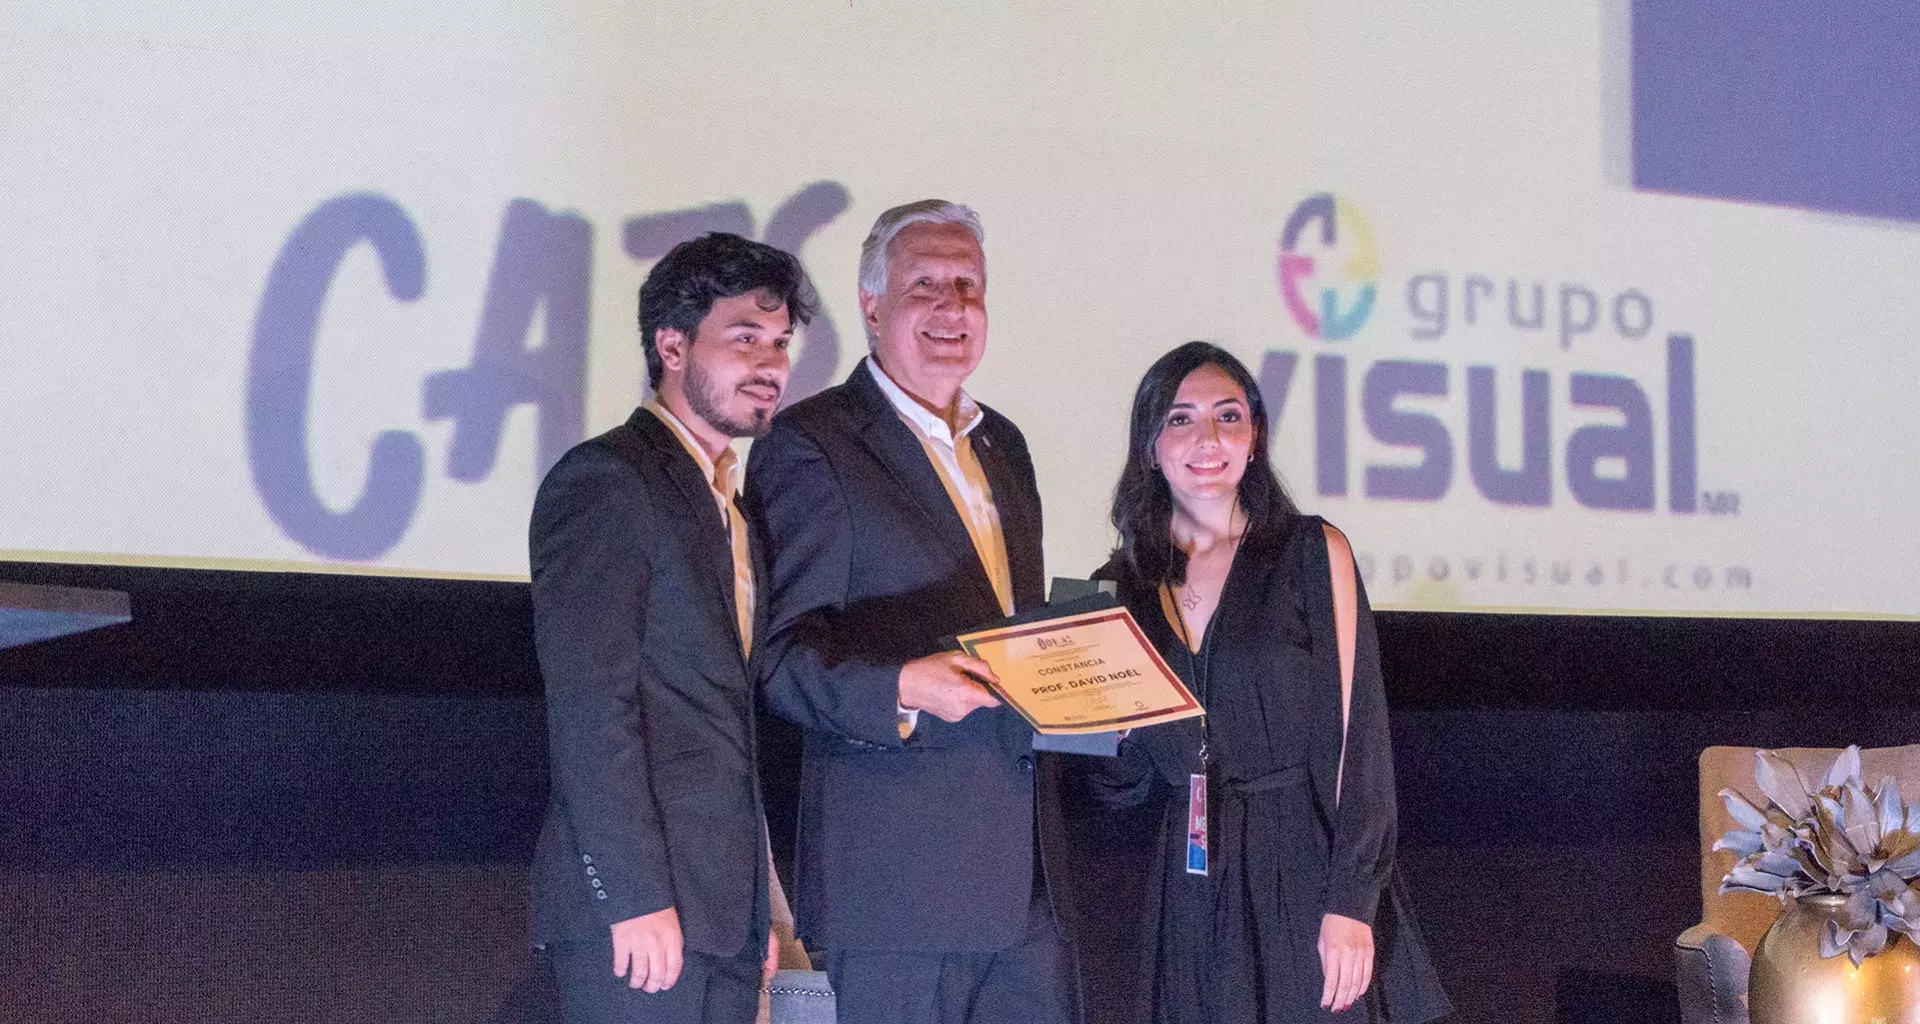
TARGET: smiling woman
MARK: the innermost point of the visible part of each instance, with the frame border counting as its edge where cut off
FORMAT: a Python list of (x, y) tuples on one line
[(1280, 815)]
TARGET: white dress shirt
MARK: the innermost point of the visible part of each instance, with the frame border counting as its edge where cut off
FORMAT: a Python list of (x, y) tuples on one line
[(951, 452)]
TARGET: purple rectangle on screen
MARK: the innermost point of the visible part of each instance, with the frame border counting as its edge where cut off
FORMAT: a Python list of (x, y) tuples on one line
[(1809, 105)]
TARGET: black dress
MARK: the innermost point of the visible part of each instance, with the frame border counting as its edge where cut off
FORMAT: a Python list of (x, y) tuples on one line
[(1239, 945)]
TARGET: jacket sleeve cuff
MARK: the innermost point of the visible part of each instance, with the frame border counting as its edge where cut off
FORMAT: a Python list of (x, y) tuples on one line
[(618, 902), (1357, 898), (870, 706)]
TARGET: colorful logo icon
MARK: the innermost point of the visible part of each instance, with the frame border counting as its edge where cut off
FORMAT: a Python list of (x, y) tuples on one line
[(1329, 277)]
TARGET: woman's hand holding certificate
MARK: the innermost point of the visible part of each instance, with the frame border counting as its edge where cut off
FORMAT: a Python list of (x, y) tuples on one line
[(1089, 672)]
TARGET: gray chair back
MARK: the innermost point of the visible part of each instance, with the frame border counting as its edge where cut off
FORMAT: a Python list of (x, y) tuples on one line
[(801, 997)]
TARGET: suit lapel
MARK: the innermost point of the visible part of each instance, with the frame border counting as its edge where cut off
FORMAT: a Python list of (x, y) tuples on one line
[(1019, 522), (762, 584), (714, 546), (894, 444)]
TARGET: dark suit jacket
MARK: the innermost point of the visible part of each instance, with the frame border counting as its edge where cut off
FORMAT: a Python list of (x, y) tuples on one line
[(926, 845), (649, 703)]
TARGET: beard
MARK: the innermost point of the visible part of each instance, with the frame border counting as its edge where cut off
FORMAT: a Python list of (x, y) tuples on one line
[(708, 400)]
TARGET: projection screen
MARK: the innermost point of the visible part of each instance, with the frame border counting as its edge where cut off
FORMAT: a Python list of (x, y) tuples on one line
[(327, 287)]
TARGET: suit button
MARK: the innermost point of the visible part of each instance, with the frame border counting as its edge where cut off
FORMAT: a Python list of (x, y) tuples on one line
[(591, 871), (1026, 763), (595, 882), (584, 859), (600, 894)]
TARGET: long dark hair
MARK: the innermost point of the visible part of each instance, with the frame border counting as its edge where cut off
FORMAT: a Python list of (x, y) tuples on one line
[(1143, 503)]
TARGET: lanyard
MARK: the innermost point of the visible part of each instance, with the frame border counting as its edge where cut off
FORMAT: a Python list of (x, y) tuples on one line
[(1199, 663), (1200, 667)]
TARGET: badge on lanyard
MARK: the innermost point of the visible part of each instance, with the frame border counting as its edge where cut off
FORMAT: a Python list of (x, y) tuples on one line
[(1197, 824)]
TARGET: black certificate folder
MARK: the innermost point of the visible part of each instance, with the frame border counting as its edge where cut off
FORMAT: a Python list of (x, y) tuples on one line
[(1066, 588), (1070, 597)]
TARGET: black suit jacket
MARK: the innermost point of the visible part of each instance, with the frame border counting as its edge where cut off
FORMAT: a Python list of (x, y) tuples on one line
[(917, 846), (655, 800)]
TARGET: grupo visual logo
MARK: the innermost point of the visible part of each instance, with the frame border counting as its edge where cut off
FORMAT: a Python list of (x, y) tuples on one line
[(1329, 269), (1527, 387), (1425, 420)]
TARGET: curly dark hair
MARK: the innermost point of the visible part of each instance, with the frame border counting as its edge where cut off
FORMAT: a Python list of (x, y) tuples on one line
[(681, 289), (1142, 502)]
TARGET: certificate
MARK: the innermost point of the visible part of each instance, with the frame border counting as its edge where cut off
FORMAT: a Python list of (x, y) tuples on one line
[(1088, 672)]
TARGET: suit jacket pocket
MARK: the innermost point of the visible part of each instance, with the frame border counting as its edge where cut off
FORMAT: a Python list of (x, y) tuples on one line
[(687, 773)]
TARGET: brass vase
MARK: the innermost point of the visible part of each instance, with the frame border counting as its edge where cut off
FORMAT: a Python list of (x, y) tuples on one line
[(1792, 984)]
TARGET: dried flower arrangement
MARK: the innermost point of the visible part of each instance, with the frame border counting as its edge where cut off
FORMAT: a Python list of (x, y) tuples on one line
[(1841, 837)]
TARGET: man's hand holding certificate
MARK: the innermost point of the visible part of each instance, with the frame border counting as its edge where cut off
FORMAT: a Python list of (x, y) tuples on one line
[(1089, 672)]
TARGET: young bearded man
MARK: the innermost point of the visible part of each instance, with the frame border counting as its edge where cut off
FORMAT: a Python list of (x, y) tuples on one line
[(650, 879)]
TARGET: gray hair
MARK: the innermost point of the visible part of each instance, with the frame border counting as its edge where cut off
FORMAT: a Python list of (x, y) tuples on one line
[(873, 251)]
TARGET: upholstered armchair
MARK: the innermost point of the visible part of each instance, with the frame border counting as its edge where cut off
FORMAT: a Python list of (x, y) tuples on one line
[(1712, 957), (800, 997)]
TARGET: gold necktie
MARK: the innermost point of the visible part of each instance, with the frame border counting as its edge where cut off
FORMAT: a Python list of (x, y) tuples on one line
[(737, 535)]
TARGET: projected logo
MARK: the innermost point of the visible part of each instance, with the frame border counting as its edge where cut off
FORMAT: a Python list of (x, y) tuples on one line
[(1329, 269), (1567, 394), (1329, 276)]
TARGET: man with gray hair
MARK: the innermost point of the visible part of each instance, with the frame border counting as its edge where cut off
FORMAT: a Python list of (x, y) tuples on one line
[(899, 512)]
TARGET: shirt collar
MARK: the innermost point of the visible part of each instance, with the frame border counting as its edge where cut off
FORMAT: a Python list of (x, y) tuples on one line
[(692, 445), (922, 418)]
